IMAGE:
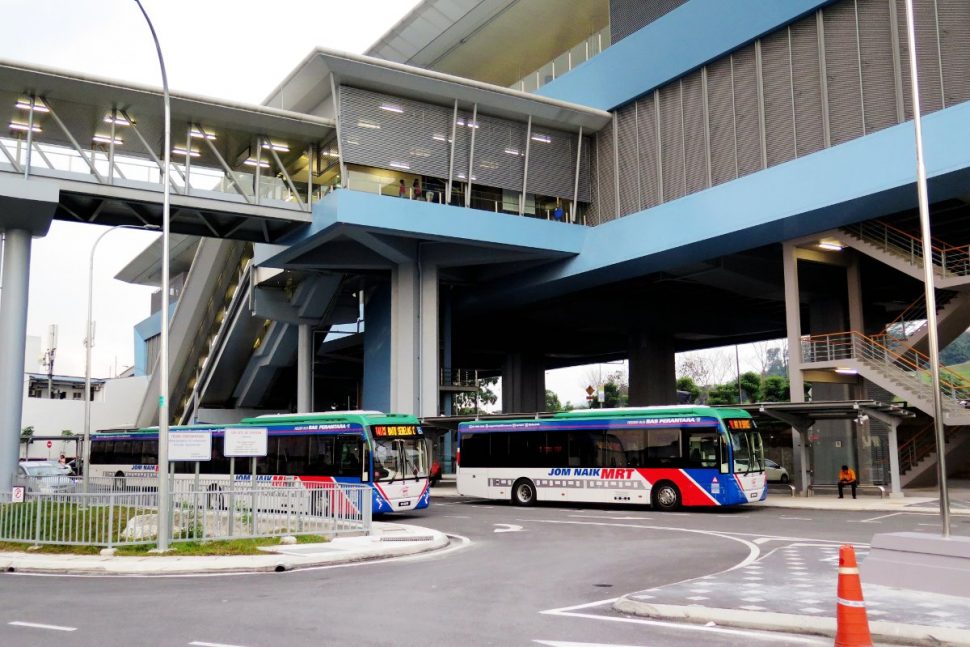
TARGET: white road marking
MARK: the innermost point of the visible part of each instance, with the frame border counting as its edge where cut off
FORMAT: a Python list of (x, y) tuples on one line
[(456, 516), (599, 516), (35, 625), (561, 643), (745, 633), (508, 527), (883, 516), (797, 518), (199, 643)]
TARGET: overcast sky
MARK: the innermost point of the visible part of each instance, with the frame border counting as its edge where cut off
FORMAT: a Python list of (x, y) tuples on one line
[(229, 49)]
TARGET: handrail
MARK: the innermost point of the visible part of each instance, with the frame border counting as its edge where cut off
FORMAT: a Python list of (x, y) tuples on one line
[(919, 446), (949, 259), (910, 362), (915, 313)]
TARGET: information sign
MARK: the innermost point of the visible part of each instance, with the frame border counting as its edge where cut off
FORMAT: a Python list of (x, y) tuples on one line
[(17, 494), (245, 441), (190, 446)]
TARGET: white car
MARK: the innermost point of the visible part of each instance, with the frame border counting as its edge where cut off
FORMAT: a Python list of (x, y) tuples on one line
[(775, 472), (43, 476)]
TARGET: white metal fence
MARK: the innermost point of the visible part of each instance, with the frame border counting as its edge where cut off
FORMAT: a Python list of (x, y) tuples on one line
[(112, 514)]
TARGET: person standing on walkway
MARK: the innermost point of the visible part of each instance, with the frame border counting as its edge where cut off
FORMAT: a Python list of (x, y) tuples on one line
[(847, 477), (402, 191)]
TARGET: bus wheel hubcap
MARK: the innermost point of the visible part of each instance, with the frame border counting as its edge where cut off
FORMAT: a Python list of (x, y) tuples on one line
[(525, 494), (666, 496)]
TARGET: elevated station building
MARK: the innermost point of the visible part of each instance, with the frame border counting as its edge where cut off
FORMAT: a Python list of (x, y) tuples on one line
[(503, 188)]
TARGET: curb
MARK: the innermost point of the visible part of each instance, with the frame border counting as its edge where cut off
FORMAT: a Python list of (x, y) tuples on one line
[(882, 631), (372, 548)]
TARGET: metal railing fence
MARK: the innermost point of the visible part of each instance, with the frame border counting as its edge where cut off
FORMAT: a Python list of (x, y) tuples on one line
[(109, 517), (891, 356), (950, 260)]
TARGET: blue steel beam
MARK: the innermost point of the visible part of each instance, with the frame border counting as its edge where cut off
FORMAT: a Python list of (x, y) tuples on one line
[(684, 39)]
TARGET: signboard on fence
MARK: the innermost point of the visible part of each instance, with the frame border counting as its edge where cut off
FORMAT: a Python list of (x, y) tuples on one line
[(245, 442), (17, 494), (190, 446)]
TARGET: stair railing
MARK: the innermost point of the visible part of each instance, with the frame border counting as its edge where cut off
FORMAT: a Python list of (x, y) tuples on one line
[(948, 259), (893, 356), (913, 319), (919, 446)]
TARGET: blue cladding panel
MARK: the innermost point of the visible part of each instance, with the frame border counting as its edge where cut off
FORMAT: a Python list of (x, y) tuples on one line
[(377, 351), (677, 43)]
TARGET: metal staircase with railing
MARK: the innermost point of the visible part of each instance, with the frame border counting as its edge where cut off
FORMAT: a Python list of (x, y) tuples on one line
[(904, 251), (894, 366)]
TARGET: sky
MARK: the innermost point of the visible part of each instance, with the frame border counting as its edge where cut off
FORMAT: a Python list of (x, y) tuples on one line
[(227, 49)]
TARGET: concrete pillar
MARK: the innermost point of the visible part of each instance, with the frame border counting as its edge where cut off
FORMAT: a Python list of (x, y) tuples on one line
[(401, 343), (862, 431), (304, 368), (793, 324), (653, 378), (896, 489), (13, 334), (523, 383)]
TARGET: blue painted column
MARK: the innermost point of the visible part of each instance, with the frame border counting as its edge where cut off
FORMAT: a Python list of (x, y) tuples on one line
[(377, 350), (13, 333)]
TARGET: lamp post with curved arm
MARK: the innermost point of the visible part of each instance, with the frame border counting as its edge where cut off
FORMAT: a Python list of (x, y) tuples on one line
[(88, 343), (163, 485)]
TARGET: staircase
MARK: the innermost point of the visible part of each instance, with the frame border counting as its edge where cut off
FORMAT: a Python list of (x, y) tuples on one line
[(894, 366), (952, 316), (917, 455), (904, 251)]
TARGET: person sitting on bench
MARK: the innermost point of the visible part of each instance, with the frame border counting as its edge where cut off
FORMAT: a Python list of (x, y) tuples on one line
[(847, 477)]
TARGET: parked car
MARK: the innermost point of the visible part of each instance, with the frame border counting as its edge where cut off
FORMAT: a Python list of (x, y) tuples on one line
[(775, 472), (43, 477)]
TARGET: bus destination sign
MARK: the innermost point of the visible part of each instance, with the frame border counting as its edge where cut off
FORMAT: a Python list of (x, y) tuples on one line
[(396, 431), (739, 423)]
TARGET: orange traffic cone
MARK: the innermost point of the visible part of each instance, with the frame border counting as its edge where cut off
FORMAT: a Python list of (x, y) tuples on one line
[(853, 625)]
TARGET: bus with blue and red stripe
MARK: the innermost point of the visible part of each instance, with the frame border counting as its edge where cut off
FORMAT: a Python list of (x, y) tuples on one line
[(389, 452), (666, 457)]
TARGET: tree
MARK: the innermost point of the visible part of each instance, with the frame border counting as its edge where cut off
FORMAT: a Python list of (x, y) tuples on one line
[(751, 386), (552, 401), (775, 389), (957, 351), (616, 392), (726, 393), (27, 432), (67, 432), (687, 384), (465, 403)]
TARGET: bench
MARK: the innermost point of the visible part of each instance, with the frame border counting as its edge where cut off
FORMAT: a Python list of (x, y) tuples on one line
[(860, 489)]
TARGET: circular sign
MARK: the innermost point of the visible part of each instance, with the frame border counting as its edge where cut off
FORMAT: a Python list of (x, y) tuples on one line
[(49, 444)]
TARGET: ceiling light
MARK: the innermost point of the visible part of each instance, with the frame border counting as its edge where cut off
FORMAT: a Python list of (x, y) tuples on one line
[(439, 138), (392, 108), (260, 164), (846, 371), (182, 151), (201, 134), (106, 139), (512, 151), (401, 165), (117, 121), (368, 124), (24, 104), (24, 127), (545, 139), (280, 148), (831, 245)]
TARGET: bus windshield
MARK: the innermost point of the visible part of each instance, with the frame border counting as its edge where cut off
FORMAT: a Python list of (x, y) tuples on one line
[(749, 455), (400, 458)]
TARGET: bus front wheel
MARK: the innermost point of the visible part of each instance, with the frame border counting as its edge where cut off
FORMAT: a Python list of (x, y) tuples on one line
[(666, 496), (524, 492)]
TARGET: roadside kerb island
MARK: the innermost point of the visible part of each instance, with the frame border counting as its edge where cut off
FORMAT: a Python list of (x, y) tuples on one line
[(385, 541)]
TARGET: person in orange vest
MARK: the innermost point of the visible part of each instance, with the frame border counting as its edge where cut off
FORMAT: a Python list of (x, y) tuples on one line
[(847, 477)]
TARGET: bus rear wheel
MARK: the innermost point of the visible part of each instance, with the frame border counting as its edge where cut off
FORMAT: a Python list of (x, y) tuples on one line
[(666, 496), (524, 492)]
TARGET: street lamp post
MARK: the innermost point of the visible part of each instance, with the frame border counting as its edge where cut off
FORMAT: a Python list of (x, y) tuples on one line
[(88, 343), (163, 484), (928, 278)]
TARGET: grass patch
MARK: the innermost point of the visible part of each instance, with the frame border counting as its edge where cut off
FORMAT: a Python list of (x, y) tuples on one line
[(178, 549)]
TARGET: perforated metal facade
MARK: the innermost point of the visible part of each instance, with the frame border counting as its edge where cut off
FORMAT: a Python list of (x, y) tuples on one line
[(384, 131), (628, 16), (830, 77)]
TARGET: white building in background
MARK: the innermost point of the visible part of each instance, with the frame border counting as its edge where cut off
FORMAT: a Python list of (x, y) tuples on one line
[(114, 403)]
